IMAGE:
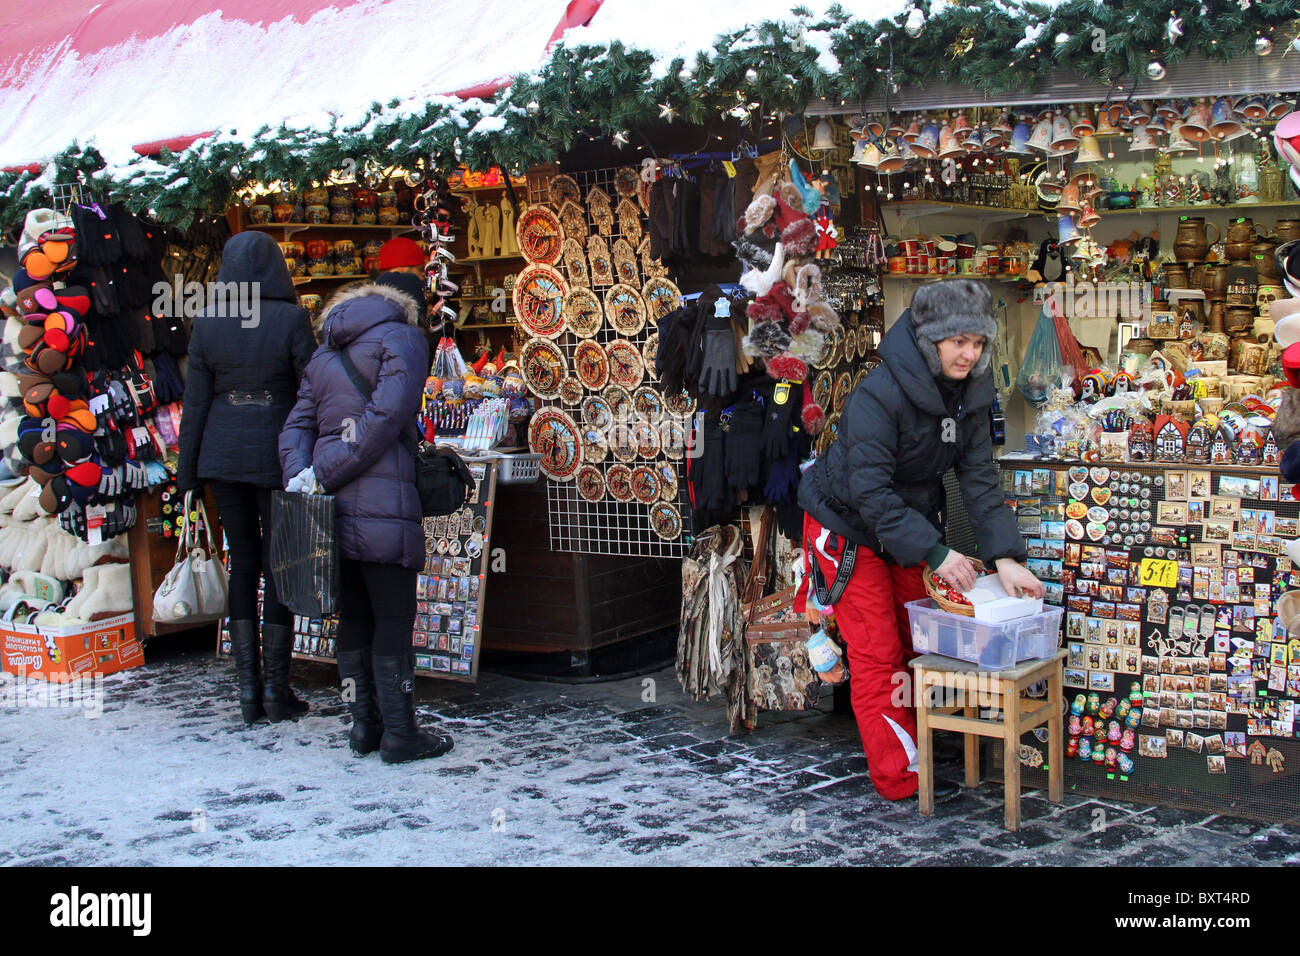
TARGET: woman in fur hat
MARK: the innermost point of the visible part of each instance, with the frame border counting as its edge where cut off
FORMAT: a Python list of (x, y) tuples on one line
[(874, 505)]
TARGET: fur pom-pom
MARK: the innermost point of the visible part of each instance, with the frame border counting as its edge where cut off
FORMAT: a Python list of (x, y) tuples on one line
[(763, 310), (814, 419), (799, 323), (758, 212), (742, 225), (783, 297), (788, 367), (808, 285), (769, 229), (766, 340), (808, 346), (790, 195), (800, 237), (823, 316)]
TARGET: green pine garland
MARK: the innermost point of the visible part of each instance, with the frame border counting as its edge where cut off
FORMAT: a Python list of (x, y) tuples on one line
[(596, 91)]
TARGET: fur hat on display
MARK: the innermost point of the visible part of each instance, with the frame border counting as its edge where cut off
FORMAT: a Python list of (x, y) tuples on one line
[(812, 415), (788, 367), (952, 307)]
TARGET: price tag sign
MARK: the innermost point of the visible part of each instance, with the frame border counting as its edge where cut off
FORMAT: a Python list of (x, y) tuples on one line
[(95, 515), (730, 168), (1159, 573)]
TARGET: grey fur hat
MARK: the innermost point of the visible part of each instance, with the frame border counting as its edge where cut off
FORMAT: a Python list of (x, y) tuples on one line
[(951, 307)]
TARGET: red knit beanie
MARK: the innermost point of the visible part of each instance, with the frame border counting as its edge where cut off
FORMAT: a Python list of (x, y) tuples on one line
[(398, 252)]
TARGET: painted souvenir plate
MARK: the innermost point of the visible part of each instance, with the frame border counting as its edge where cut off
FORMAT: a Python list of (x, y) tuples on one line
[(620, 403), (661, 297), (540, 236), (582, 313), (646, 437), (859, 376), (539, 301), (822, 389), (665, 521), (625, 308), (554, 435), (570, 391), (563, 189), (648, 349), (667, 480), (596, 412), (573, 221), (591, 365), (575, 264), (645, 485), (622, 441), (840, 393), (629, 221), (625, 261), (649, 404), (830, 432), (595, 448), (626, 179), (619, 482), (673, 438), (590, 483), (625, 367), (544, 367), (682, 404)]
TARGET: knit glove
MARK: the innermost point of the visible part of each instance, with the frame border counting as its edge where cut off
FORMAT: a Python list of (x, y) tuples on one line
[(777, 420), (110, 482), (744, 444), (718, 367), (302, 482), (134, 475)]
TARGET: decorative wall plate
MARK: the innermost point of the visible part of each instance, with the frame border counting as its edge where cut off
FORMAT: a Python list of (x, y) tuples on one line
[(864, 341), (583, 315), (596, 412), (822, 389), (625, 262), (648, 349), (573, 220), (646, 436), (667, 480), (622, 441), (544, 367), (830, 432), (665, 521), (625, 181), (682, 404), (602, 212), (618, 481), (625, 309), (590, 483), (563, 189), (554, 435), (625, 367), (649, 267), (574, 260), (861, 374), (629, 221), (673, 438), (645, 485), (539, 234), (661, 297), (620, 403), (840, 392), (602, 266), (570, 391), (591, 365), (539, 301), (649, 404), (595, 448)]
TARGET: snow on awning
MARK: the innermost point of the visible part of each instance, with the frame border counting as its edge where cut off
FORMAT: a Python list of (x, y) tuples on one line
[(133, 75)]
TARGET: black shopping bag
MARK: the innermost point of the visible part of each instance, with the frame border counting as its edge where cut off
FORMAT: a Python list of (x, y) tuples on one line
[(305, 552)]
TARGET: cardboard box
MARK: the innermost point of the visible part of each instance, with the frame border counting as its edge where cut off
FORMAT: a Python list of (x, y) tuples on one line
[(101, 647), (992, 604)]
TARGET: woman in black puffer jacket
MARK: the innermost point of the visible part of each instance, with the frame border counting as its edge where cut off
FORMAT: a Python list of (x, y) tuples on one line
[(360, 449), (247, 353)]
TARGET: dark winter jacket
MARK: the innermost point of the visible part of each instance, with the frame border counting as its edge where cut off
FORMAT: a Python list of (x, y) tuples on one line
[(235, 437), (355, 445), (881, 483)]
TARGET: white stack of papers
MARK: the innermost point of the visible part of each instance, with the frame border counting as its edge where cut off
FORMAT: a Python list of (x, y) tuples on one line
[(992, 604)]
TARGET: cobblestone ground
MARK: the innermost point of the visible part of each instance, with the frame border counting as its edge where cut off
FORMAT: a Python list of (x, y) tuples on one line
[(542, 773)]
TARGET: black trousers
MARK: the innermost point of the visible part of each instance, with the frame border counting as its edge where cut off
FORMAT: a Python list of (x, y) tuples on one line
[(376, 606), (245, 512)]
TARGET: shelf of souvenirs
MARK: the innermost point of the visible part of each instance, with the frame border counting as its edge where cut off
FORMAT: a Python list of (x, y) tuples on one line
[(517, 258), (918, 208), (470, 326), (926, 276), (293, 228), (1027, 458), (354, 277)]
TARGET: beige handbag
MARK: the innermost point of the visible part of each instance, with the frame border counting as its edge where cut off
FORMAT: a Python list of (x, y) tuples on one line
[(195, 588)]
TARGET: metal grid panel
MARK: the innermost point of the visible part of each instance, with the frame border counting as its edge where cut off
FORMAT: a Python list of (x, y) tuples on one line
[(606, 526)]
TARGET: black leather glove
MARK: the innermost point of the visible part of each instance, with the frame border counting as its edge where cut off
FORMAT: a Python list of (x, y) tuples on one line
[(745, 443), (708, 472), (778, 416)]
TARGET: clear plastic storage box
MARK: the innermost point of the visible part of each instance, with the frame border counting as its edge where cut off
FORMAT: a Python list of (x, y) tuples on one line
[(993, 647)]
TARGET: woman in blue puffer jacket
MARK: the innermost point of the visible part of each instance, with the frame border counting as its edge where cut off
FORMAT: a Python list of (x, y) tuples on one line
[(361, 450)]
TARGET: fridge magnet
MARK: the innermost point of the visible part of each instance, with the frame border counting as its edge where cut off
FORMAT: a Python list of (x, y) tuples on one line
[(1175, 486), (1198, 485), (1217, 530), (1171, 512), (1216, 763)]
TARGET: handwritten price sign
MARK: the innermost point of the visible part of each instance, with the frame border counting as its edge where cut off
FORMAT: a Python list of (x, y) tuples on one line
[(1159, 573)]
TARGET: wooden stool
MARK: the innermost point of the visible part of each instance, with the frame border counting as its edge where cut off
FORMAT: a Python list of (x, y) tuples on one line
[(994, 689)]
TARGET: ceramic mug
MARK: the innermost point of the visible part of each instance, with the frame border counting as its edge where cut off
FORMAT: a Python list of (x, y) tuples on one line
[(965, 267), (311, 303), (342, 216), (344, 249), (282, 212), (318, 248), (365, 215), (388, 215), (259, 214), (317, 214), (318, 196)]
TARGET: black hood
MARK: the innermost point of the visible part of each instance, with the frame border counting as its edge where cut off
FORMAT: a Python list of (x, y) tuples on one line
[(899, 352), (255, 257)]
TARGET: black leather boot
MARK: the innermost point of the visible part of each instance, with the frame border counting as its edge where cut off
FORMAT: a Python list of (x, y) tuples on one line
[(277, 697), (367, 727), (403, 739), (247, 655)]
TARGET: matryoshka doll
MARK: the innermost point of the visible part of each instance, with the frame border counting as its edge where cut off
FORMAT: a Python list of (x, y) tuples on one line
[(1098, 754), (1085, 748), (1094, 702), (1125, 764), (1075, 727), (1113, 733), (1127, 741), (1072, 748), (1110, 756), (1076, 708)]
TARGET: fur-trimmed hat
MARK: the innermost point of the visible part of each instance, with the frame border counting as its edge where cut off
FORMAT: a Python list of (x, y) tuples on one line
[(952, 307)]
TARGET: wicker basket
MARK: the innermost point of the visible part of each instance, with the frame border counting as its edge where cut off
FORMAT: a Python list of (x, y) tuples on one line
[(941, 602)]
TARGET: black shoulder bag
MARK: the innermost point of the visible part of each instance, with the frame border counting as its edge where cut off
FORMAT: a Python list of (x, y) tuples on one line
[(442, 479)]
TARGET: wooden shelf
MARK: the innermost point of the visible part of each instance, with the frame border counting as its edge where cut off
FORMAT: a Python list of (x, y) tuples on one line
[(292, 228), (917, 208), (1232, 209), (470, 326), (956, 275), (304, 280), (491, 259)]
